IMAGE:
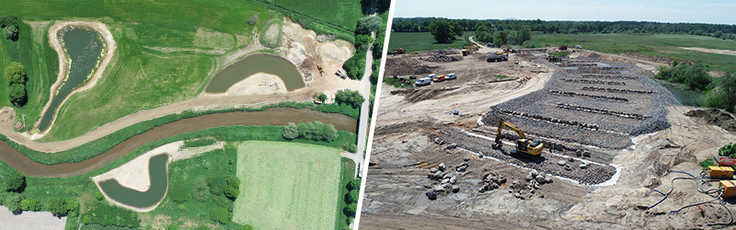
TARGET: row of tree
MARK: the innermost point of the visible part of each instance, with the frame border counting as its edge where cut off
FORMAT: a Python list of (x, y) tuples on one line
[(572, 27), (16, 77), (351, 199), (315, 131), (446, 31), (721, 94)]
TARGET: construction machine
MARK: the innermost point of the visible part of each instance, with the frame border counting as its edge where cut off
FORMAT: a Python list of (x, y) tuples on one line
[(321, 69), (399, 51), (468, 50), (526, 148)]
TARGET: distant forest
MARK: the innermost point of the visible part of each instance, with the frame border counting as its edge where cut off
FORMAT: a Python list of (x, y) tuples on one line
[(573, 27)]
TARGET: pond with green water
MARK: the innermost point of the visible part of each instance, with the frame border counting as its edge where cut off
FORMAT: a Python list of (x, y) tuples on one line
[(257, 63), (159, 184)]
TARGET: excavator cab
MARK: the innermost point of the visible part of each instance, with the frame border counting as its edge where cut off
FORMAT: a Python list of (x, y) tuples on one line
[(524, 147)]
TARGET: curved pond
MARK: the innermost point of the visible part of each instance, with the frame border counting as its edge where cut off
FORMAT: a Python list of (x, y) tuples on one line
[(83, 48), (257, 63), (159, 184), (686, 97), (275, 116)]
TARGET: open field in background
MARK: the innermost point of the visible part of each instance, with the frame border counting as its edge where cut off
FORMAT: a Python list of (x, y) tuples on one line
[(666, 45), (423, 41), (287, 185), (338, 12)]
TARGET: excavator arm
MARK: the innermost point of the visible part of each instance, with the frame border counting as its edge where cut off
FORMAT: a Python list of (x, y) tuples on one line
[(502, 123)]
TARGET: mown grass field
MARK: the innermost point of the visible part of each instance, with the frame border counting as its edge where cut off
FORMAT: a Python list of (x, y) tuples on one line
[(338, 12), (666, 45), (287, 185), (420, 41)]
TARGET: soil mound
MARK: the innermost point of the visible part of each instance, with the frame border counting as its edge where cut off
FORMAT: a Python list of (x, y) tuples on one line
[(716, 117), (406, 66)]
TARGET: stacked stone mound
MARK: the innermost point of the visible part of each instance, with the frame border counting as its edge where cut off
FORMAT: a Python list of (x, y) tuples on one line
[(580, 125), (603, 111), (491, 181), (599, 82), (612, 90), (609, 76), (655, 58), (597, 97), (441, 58)]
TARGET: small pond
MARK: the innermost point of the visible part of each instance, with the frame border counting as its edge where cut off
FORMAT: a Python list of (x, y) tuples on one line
[(159, 183), (258, 63), (83, 47), (686, 97)]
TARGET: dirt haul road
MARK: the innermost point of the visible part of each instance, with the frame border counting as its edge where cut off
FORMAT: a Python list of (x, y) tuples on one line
[(404, 153)]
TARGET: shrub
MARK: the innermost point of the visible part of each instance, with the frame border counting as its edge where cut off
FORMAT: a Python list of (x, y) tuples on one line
[(172, 227), (99, 195), (317, 131), (182, 207), (85, 220), (222, 201), (368, 24), (363, 41), (352, 197), (291, 131), (13, 202), (253, 19), (221, 215), (246, 227), (57, 206), (354, 184), (728, 150), (232, 189), (15, 73), (201, 195), (103, 214), (15, 182), (351, 98), (30, 205), (11, 33), (350, 209), (355, 65), (217, 185), (17, 94), (322, 97), (180, 192)]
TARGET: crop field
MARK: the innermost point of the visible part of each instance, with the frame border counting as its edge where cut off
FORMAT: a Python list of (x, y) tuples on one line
[(420, 41), (339, 12), (666, 45), (287, 185)]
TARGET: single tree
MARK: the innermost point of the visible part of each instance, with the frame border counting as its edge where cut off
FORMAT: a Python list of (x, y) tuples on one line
[(15, 73), (352, 197), (13, 202), (17, 94), (232, 189), (15, 182), (322, 97), (291, 131), (11, 32), (368, 24), (350, 209), (442, 30), (180, 192)]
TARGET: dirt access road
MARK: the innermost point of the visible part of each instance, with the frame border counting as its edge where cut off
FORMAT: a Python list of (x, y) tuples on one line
[(404, 152), (294, 36)]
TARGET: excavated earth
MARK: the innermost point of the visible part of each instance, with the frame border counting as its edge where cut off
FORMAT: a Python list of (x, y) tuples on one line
[(633, 146)]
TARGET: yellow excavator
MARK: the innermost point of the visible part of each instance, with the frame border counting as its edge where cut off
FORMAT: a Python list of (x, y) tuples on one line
[(524, 147)]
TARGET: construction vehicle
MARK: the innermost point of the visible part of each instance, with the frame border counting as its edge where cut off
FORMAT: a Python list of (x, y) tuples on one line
[(399, 51), (321, 69), (526, 148), (468, 50), (498, 56)]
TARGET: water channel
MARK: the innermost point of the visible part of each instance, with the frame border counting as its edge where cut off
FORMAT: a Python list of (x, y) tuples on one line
[(274, 116), (159, 183), (686, 97), (257, 63), (83, 47)]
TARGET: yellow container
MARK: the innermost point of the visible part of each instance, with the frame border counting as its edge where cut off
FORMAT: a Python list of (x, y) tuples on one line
[(729, 188), (720, 171)]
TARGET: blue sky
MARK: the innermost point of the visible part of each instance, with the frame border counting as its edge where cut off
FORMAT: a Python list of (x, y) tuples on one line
[(710, 11)]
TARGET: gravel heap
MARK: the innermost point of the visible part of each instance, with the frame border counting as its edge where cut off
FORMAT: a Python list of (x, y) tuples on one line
[(574, 169), (441, 58), (606, 108)]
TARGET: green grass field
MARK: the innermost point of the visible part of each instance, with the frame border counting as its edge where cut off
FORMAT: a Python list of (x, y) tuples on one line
[(423, 41), (666, 45), (338, 12), (287, 185)]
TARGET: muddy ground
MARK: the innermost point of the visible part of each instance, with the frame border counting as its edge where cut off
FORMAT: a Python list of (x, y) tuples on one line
[(404, 151)]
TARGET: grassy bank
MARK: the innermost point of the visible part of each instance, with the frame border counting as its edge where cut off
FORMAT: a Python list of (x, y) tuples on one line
[(420, 41), (666, 45), (287, 186)]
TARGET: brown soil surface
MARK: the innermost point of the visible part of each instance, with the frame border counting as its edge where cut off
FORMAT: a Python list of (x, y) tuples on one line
[(717, 117), (404, 150)]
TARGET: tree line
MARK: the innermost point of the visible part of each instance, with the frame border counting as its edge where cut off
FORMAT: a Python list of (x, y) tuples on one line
[(572, 27)]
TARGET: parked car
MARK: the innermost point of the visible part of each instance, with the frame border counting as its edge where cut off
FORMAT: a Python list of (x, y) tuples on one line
[(451, 76), (423, 81), (438, 78)]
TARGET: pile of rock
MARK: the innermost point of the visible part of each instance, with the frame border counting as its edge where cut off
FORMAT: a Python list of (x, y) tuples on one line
[(577, 124), (609, 76), (598, 97), (491, 181), (603, 111), (612, 90), (535, 180), (594, 82), (441, 58), (447, 181)]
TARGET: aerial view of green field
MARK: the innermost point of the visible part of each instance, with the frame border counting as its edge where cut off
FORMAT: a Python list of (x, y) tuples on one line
[(130, 114)]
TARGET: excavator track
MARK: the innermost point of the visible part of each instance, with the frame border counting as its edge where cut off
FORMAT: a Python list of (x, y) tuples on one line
[(580, 170)]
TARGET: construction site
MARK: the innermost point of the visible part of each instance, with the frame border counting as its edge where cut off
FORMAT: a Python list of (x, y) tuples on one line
[(589, 140)]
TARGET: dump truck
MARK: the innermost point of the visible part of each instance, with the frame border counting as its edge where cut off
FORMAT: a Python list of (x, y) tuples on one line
[(494, 57), (526, 148), (468, 50), (399, 51)]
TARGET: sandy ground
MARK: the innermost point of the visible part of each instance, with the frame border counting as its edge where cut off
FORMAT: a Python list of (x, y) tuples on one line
[(134, 174), (715, 51), (292, 33), (29, 220), (53, 34), (258, 84)]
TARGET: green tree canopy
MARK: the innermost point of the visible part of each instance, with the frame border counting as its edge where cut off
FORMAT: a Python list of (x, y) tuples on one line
[(232, 189), (291, 131), (352, 197), (17, 94), (351, 98), (11, 32), (180, 192), (442, 30), (15, 73), (13, 202), (368, 24), (15, 182)]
